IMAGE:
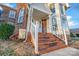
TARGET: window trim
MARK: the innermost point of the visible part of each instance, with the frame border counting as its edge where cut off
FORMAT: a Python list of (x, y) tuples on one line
[(12, 14), (21, 15)]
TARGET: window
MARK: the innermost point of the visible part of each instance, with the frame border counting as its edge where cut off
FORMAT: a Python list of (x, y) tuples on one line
[(64, 23), (54, 25), (52, 7), (1, 10), (12, 14), (54, 21), (61, 9), (21, 14), (53, 10)]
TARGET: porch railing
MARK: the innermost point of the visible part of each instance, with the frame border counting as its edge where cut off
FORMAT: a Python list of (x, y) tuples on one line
[(33, 30)]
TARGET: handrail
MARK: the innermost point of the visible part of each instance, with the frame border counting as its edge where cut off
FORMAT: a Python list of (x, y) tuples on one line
[(33, 30)]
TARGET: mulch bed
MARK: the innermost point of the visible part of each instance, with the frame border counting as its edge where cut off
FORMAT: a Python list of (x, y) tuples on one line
[(19, 48), (75, 44)]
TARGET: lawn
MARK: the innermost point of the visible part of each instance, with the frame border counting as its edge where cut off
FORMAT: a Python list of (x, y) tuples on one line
[(12, 48)]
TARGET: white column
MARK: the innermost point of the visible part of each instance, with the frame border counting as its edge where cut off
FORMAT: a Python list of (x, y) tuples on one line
[(49, 29), (36, 37), (29, 19), (66, 42), (67, 28), (58, 18), (28, 28)]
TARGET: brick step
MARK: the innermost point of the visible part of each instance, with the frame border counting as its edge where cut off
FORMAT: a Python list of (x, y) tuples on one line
[(44, 33), (45, 36), (41, 45), (49, 49), (48, 42), (49, 45), (46, 46), (51, 39)]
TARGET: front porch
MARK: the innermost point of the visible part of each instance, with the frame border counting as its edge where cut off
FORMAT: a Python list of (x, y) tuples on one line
[(39, 31)]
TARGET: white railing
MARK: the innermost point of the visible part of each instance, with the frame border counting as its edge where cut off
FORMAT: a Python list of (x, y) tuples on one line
[(65, 37), (74, 38), (33, 30)]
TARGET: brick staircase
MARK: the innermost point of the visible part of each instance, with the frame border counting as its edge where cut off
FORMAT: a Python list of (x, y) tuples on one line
[(14, 36), (48, 42)]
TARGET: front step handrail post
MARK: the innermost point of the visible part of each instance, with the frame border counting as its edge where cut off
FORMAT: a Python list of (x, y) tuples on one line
[(36, 37), (65, 37)]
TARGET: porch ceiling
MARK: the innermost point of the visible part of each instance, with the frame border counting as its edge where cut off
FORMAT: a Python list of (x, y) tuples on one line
[(42, 7), (40, 10), (39, 15)]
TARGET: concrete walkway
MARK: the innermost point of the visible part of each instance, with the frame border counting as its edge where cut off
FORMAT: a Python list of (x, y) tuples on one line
[(63, 52)]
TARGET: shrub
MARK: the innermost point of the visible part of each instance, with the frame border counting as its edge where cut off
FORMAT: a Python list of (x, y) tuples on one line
[(6, 30)]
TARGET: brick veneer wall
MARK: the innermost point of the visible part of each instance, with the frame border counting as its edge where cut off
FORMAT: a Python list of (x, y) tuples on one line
[(5, 14), (20, 6)]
